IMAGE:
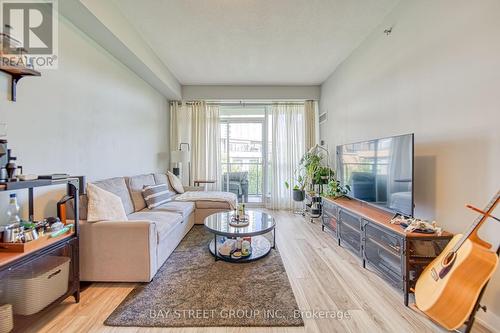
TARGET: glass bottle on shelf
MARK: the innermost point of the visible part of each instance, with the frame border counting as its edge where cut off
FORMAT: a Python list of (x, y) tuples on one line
[(12, 212)]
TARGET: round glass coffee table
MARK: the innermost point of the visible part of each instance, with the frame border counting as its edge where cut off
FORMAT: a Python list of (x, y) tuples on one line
[(259, 224)]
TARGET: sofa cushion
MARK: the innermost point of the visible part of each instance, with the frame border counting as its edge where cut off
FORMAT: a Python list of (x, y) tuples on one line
[(164, 221), (175, 182), (205, 204), (162, 178), (104, 205), (156, 195), (182, 207), (119, 187), (135, 186)]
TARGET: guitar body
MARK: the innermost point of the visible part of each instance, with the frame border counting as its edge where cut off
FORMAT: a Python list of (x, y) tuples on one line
[(449, 299)]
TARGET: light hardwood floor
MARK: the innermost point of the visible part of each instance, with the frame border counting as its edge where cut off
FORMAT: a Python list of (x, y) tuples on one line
[(323, 277)]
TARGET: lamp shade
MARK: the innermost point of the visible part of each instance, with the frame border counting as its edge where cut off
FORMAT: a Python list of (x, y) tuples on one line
[(179, 156)]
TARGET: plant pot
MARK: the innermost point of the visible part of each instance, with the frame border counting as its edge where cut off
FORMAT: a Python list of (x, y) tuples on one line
[(315, 212), (299, 195)]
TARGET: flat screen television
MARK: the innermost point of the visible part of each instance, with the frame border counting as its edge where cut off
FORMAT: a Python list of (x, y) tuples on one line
[(379, 172)]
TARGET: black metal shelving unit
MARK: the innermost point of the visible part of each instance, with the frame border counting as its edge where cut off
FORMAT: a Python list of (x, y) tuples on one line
[(69, 245)]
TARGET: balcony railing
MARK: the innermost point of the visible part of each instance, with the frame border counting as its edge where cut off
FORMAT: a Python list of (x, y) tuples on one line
[(254, 175)]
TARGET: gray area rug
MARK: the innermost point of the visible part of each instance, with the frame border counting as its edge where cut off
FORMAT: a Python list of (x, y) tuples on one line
[(192, 290)]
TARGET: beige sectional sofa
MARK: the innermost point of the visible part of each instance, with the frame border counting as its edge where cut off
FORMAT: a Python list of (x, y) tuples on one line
[(134, 250)]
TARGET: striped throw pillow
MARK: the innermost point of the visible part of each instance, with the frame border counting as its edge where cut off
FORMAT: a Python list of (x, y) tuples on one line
[(156, 195)]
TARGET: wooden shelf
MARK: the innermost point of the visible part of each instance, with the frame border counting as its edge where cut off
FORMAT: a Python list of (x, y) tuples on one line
[(19, 70), (9, 257), (17, 73)]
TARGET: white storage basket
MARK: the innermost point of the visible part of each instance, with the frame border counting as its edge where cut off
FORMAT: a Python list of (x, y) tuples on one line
[(34, 286), (6, 318)]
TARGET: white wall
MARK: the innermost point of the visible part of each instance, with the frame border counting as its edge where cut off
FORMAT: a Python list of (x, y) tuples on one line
[(104, 23), (92, 116), (437, 75), (250, 92)]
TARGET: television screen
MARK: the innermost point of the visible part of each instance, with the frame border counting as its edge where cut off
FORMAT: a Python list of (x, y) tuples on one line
[(379, 172)]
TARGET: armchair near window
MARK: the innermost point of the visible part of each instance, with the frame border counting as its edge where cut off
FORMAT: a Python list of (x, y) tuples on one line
[(364, 186), (238, 184)]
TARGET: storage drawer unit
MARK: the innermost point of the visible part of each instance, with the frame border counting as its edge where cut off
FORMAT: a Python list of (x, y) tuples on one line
[(398, 257), (330, 208), (350, 230), (384, 238), (330, 218), (352, 220), (384, 251), (350, 237)]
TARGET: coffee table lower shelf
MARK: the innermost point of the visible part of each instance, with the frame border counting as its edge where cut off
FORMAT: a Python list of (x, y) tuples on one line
[(261, 247)]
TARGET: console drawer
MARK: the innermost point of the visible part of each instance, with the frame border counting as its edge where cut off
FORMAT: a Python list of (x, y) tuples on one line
[(384, 251), (389, 265), (385, 239), (352, 220), (330, 222), (351, 237), (330, 208)]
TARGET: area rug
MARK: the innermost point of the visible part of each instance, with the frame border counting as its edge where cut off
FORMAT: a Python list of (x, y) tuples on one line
[(193, 290)]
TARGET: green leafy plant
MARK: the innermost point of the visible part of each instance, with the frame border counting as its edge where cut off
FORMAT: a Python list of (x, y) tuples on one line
[(310, 171), (335, 189), (322, 175), (310, 162), (299, 180)]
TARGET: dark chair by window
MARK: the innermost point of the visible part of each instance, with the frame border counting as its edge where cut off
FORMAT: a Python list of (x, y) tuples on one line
[(238, 184), (363, 186)]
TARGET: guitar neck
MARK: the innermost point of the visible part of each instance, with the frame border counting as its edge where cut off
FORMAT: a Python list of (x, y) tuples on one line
[(478, 221)]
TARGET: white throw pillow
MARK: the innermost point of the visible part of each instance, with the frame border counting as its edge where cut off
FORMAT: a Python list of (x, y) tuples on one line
[(104, 205), (175, 182)]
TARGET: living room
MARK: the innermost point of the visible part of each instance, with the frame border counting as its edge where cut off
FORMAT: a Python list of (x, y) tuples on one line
[(249, 166)]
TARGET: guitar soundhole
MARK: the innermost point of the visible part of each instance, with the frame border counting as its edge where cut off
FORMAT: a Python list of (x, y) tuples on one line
[(450, 257), (447, 264)]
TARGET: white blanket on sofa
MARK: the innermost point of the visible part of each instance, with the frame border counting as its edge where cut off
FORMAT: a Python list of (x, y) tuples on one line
[(228, 197)]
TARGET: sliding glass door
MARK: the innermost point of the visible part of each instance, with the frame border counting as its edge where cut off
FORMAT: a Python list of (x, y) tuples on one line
[(242, 155)]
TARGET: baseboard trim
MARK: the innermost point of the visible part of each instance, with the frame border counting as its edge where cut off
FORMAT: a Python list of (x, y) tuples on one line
[(489, 320)]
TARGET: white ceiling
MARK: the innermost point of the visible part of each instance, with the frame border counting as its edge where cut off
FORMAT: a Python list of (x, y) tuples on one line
[(254, 42)]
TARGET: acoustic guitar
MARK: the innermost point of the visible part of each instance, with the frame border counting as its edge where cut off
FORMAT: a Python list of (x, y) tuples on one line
[(449, 286)]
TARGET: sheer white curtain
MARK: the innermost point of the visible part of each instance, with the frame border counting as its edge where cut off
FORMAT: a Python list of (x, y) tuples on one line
[(205, 153), (288, 146), (197, 123)]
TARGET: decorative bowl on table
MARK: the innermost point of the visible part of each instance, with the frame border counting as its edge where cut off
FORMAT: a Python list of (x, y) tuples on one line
[(242, 221)]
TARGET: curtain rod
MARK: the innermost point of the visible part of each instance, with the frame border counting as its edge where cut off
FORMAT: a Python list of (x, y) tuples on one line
[(250, 103)]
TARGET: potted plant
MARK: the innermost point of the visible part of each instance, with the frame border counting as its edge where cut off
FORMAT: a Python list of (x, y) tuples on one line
[(322, 175), (298, 191), (335, 189), (311, 163)]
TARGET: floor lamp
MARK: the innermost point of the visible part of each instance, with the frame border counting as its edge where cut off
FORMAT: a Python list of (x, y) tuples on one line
[(179, 157)]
